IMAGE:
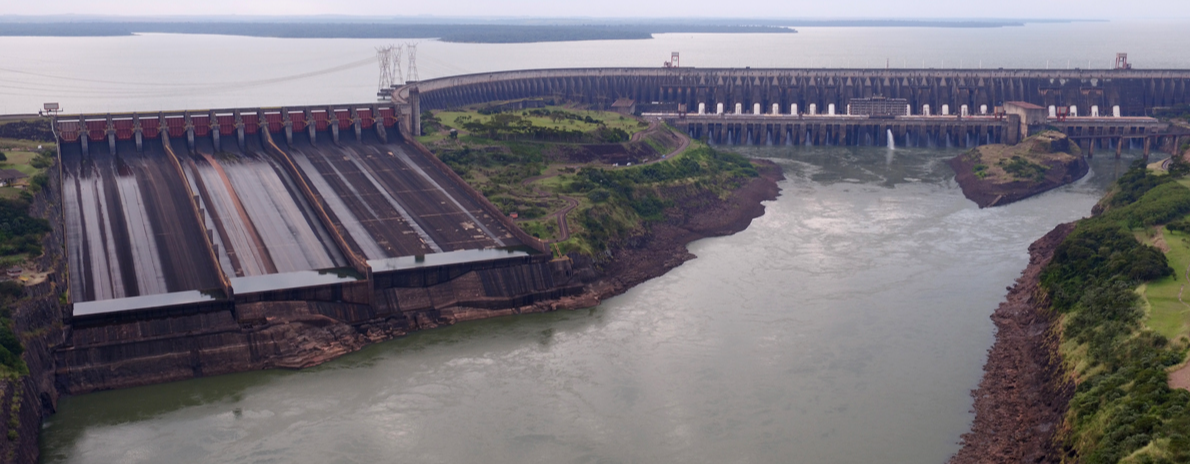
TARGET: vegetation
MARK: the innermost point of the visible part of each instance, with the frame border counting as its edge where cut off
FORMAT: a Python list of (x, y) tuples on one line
[(553, 124), (626, 200), (1023, 169), (540, 162), (1029, 160), (1123, 407)]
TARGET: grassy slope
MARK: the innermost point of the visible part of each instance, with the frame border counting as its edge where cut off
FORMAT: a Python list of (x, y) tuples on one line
[(502, 168), (1124, 408), (610, 119), (1166, 313)]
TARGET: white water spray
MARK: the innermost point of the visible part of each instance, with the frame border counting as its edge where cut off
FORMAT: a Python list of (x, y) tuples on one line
[(892, 144)]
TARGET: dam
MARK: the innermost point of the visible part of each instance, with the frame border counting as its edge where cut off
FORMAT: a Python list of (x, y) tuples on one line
[(214, 241), (745, 106), (188, 234)]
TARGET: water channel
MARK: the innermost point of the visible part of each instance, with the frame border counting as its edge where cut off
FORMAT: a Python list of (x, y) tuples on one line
[(847, 324)]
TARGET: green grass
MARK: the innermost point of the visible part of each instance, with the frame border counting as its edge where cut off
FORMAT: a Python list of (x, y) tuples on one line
[(610, 119), (1165, 313), (19, 160), (6, 144)]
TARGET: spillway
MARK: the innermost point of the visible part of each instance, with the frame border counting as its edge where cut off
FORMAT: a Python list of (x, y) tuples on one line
[(181, 212), (262, 223), (129, 231), (393, 202)]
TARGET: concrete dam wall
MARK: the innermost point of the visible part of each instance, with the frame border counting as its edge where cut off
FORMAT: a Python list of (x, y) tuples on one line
[(1134, 91), (944, 107), (228, 240)]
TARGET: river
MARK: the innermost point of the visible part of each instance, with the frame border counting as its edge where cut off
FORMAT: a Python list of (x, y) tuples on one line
[(847, 324)]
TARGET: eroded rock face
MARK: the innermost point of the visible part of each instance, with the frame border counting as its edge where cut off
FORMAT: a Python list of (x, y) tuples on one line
[(1023, 396), (982, 176)]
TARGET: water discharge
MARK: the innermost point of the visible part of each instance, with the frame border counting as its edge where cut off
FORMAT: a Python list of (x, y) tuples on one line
[(848, 324)]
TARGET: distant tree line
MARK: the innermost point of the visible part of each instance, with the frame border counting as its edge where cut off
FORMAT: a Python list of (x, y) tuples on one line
[(474, 33)]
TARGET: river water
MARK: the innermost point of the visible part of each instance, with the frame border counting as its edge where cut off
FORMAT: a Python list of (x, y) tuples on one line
[(847, 324)]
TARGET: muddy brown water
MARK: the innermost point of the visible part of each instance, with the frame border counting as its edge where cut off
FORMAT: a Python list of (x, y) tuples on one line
[(847, 324)]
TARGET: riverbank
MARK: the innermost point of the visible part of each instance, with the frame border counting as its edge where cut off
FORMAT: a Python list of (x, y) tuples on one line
[(696, 216), (1023, 396)]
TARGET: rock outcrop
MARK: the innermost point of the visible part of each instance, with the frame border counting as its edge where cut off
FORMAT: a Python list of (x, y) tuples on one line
[(996, 174)]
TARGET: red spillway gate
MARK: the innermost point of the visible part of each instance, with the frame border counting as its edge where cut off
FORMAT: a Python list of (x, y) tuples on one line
[(344, 117), (389, 119), (275, 122), (68, 130), (202, 125), (251, 122), (96, 130), (365, 118), (150, 127), (176, 126), (227, 124), (299, 120), (321, 120), (123, 129)]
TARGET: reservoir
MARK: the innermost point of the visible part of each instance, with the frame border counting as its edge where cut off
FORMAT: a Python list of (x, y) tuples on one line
[(847, 324)]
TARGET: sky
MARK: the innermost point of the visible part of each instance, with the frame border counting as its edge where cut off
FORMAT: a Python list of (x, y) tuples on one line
[(866, 9)]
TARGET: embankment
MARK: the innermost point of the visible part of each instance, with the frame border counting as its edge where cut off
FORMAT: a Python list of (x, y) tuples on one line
[(697, 215), (1023, 396)]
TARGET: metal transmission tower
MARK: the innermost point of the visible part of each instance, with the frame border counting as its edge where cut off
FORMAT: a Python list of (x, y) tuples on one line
[(412, 48), (390, 65)]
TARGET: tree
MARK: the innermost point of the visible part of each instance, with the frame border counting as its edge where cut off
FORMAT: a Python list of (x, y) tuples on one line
[(3, 157)]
